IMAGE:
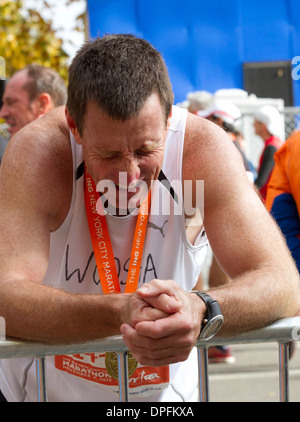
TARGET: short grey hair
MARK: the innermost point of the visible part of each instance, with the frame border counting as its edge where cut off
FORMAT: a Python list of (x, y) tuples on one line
[(43, 79)]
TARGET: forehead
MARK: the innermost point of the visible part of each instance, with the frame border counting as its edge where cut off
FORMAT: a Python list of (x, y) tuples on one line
[(15, 86), (149, 123)]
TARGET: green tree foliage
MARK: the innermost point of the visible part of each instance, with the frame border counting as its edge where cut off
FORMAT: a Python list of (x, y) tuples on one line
[(25, 37)]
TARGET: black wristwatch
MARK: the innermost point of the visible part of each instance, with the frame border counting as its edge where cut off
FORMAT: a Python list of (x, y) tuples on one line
[(213, 318)]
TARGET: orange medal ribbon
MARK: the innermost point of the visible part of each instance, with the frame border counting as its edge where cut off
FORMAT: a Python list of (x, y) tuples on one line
[(144, 376), (101, 242), (109, 277)]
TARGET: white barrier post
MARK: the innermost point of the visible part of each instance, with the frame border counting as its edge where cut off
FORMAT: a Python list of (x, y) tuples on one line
[(41, 379), (123, 376), (203, 382), (283, 372)]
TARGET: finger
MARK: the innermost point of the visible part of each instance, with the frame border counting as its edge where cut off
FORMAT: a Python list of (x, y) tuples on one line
[(133, 339), (161, 294), (173, 324), (168, 359), (128, 333), (165, 303), (150, 313), (156, 287), (154, 353)]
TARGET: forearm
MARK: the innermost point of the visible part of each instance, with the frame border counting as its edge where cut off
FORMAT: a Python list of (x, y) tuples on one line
[(50, 315), (247, 303)]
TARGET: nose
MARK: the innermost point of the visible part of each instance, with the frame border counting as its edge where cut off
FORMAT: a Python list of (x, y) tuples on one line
[(130, 166), (3, 112)]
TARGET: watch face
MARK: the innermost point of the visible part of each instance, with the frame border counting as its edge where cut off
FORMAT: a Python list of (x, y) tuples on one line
[(212, 327)]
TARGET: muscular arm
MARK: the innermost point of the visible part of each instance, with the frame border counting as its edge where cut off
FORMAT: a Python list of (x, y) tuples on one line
[(246, 242), (35, 192), (31, 172)]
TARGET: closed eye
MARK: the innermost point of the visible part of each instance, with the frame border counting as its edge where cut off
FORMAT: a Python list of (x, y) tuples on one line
[(143, 153), (108, 154), (10, 101)]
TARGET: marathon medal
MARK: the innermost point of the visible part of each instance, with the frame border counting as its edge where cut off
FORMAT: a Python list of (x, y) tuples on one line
[(111, 364)]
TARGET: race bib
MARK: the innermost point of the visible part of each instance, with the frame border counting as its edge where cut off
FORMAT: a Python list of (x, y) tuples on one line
[(103, 369)]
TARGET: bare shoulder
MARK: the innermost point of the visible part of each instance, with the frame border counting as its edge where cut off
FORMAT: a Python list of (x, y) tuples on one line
[(44, 135), (38, 161), (207, 148), (210, 155)]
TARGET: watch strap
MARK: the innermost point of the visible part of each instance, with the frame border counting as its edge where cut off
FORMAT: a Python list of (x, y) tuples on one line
[(212, 306)]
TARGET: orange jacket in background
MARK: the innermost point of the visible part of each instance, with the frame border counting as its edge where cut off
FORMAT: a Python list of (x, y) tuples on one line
[(283, 193)]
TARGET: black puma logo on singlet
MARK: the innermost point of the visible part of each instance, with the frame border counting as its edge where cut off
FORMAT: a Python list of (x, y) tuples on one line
[(155, 227)]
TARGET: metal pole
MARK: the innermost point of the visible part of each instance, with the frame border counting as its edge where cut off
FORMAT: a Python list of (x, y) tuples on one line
[(123, 376), (41, 379), (283, 372), (203, 374)]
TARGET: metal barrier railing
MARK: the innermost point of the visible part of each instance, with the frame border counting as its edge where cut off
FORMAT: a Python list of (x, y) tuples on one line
[(282, 332)]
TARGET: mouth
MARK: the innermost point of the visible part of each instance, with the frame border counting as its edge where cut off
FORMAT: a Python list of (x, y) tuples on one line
[(137, 184), (10, 126)]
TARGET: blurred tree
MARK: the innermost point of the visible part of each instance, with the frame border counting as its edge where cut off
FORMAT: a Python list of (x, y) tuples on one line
[(81, 20), (25, 37)]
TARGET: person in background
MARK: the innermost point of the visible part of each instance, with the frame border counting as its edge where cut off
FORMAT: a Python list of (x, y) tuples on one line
[(30, 93), (199, 100), (267, 125), (283, 197), (226, 114)]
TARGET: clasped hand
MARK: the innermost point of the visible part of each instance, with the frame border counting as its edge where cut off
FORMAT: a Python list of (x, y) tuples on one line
[(164, 323)]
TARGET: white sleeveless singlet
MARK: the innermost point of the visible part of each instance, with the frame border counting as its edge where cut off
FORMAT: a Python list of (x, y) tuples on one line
[(167, 255)]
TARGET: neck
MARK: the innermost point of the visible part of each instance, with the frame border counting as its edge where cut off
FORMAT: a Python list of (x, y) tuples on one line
[(266, 136)]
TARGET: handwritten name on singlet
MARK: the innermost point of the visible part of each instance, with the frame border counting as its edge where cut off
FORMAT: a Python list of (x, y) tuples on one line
[(80, 275)]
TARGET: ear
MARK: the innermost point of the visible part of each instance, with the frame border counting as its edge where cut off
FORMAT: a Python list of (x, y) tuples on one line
[(169, 120), (42, 104), (73, 127)]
